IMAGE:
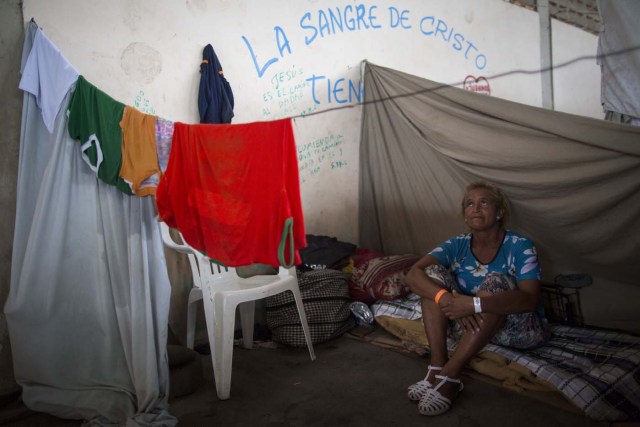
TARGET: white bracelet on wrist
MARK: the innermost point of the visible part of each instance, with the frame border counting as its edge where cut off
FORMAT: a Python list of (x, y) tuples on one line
[(476, 305)]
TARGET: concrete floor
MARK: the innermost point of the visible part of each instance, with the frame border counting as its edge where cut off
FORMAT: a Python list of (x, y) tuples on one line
[(351, 383)]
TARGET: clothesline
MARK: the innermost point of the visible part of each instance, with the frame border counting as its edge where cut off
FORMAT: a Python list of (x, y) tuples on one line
[(207, 187)]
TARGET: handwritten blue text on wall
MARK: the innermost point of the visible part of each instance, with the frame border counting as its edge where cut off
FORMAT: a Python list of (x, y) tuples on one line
[(319, 24)]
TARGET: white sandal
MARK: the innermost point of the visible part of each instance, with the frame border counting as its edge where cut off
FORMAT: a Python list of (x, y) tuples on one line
[(419, 389), (433, 402)]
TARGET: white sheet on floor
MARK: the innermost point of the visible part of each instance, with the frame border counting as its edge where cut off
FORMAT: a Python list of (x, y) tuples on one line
[(88, 305)]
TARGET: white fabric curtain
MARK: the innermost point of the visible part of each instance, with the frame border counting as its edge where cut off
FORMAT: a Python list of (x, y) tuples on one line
[(89, 300)]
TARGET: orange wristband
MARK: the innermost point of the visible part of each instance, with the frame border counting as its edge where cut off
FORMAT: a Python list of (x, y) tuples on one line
[(439, 295)]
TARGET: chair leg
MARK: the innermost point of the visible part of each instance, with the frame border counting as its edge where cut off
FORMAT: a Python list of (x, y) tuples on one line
[(303, 320), (247, 316), (192, 311), (222, 351), (209, 314), (191, 325)]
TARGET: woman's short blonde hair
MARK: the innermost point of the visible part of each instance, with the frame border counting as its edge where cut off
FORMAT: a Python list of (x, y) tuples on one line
[(500, 198)]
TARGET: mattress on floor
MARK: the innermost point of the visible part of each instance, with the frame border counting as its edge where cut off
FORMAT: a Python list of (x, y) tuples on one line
[(597, 370)]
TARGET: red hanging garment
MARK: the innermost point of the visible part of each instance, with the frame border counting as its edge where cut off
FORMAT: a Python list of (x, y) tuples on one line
[(233, 192)]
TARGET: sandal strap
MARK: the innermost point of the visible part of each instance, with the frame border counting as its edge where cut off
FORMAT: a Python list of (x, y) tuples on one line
[(449, 379), (433, 368), (443, 379), (417, 390), (434, 403)]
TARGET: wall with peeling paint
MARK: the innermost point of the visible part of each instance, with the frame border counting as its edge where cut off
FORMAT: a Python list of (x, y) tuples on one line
[(303, 59), (295, 58)]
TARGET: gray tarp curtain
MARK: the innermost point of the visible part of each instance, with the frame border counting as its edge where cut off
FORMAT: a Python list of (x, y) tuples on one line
[(574, 182), (620, 90), (88, 306)]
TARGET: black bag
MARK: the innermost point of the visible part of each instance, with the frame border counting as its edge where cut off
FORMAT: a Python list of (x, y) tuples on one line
[(325, 296), (325, 252)]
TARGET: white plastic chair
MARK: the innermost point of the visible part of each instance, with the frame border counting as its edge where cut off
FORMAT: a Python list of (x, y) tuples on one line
[(222, 290), (195, 294)]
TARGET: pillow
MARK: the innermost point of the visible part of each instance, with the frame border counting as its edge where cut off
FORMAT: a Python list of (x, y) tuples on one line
[(381, 278), (362, 255)]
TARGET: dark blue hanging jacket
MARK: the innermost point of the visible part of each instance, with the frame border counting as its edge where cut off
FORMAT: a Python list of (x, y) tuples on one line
[(215, 98)]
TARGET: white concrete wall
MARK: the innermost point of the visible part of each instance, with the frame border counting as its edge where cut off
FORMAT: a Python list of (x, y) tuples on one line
[(576, 82), (287, 58)]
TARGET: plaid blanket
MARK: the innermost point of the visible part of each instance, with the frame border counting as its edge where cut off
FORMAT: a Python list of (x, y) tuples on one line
[(597, 370), (407, 307)]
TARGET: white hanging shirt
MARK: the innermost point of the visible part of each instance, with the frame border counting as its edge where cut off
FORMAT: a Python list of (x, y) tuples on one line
[(48, 76)]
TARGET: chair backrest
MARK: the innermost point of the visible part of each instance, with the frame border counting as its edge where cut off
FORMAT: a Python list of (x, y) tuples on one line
[(184, 248), (222, 272), (197, 260)]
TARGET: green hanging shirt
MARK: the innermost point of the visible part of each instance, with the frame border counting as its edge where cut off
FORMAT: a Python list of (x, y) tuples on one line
[(94, 119)]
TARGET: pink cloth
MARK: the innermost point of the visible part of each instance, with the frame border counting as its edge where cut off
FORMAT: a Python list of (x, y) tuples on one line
[(164, 136)]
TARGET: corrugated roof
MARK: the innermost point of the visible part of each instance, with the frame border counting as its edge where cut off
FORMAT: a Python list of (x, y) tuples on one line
[(579, 13)]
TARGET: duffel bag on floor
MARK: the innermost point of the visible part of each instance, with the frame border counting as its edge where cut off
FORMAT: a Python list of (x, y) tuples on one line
[(325, 295)]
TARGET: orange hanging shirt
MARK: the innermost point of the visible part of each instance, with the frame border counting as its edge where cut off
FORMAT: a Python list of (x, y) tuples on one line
[(140, 167), (233, 192)]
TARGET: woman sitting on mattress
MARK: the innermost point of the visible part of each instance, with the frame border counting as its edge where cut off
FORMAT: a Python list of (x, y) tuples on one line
[(486, 282)]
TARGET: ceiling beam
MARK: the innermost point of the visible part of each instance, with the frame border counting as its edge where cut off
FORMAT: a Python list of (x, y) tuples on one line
[(546, 62), (579, 13)]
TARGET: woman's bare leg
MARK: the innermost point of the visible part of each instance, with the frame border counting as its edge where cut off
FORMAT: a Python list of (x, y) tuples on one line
[(470, 344), (435, 326)]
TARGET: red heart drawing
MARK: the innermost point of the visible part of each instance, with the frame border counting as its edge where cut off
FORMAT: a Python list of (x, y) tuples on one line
[(476, 84)]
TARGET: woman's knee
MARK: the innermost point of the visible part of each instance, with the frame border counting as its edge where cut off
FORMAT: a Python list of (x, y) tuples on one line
[(428, 305), (493, 322)]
